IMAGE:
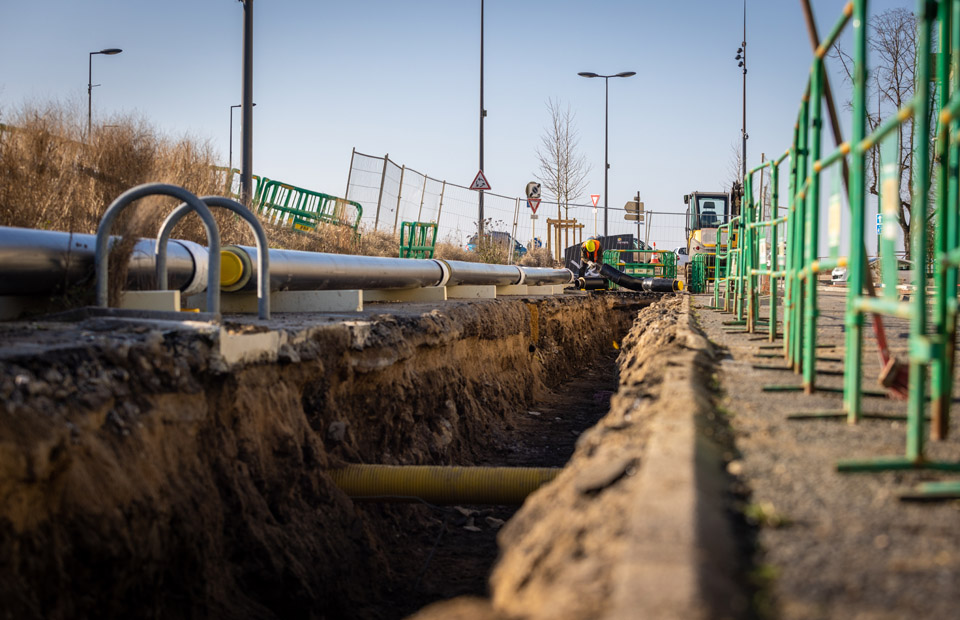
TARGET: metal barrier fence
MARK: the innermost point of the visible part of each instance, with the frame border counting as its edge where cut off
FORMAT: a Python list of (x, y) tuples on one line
[(391, 193), (931, 342)]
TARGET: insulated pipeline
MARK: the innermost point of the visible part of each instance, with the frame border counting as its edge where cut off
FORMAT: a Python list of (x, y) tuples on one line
[(543, 275), (292, 270), (655, 285), (463, 272), (441, 485), (44, 262)]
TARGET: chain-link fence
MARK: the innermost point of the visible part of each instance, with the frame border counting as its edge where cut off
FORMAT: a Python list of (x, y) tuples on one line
[(392, 193)]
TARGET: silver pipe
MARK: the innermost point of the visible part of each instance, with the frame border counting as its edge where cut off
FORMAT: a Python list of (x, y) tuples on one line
[(45, 262), (292, 270), (543, 275), (462, 272)]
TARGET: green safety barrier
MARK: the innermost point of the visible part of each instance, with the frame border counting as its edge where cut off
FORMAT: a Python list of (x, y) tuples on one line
[(418, 239), (793, 282), (642, 263), (283, 204), (702, 269)]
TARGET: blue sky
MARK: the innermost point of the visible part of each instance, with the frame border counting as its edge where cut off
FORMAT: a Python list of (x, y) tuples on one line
[(403, 78)]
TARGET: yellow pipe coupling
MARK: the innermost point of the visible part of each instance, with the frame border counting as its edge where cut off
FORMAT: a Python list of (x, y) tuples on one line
[(441, 485)]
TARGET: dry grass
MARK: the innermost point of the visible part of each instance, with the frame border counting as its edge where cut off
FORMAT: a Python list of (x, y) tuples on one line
[(538, 257), (51, 178)]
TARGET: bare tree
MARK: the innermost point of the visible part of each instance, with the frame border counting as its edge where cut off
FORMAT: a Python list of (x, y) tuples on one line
[(891, 85), (563, 169), (735, 165)]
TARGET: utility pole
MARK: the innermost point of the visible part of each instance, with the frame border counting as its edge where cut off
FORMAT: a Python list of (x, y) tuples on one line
[(743, 126), (482, 114)]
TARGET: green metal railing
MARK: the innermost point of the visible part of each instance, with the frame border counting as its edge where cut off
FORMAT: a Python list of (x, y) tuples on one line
[(931, 348), (283, 204), (418, 239), (699, 269), (643, 263)]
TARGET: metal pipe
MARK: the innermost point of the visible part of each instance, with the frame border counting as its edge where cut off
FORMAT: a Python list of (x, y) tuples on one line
[(130, 196), (292, 270), (533, 276), (441, 485), (462, 272), (45, 262)]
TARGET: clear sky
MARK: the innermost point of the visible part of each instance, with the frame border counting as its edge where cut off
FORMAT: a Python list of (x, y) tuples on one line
[(403, 78)]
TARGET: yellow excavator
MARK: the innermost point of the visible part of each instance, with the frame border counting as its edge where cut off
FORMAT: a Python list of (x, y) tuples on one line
[(706, 212)]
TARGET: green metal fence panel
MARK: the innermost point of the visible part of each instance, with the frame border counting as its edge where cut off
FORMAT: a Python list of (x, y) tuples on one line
[(418, 239), (283, 204)]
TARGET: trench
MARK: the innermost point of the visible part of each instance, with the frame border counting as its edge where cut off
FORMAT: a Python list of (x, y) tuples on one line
[(145, 473)]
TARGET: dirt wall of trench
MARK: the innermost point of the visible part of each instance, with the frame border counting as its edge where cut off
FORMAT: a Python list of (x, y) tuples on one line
[(141, 476)]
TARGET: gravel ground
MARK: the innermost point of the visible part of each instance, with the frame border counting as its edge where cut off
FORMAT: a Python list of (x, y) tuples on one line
[(833, 545)]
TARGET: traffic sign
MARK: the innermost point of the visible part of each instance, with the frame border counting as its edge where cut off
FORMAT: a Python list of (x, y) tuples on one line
[(533, 190), (533, 216), (480, 182), (634, 207), (636, 217), (533, 203), (595, 198), (879, 218), (879, 227)]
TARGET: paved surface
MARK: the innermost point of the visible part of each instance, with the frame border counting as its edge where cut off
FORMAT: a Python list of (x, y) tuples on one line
[(833, 545)]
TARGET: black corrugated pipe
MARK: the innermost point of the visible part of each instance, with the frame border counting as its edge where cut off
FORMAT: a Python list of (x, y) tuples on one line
[(590, 283), (654, 285)]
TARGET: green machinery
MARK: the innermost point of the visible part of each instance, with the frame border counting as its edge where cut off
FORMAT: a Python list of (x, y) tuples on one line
[(930, 370)]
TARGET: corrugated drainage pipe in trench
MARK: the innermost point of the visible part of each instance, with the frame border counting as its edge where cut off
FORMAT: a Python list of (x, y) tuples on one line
[(441, 485)]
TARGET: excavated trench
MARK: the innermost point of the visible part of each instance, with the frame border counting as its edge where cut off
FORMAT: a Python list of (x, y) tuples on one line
[(150, 469)]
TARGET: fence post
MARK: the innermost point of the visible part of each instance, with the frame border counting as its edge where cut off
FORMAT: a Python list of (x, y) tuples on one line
[(423, 193), (396, 215), (353, 152), (440, 208), (383, 180)]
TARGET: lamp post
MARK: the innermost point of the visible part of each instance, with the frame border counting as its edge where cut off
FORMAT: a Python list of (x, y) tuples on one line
[(606, 134), (742, 57), (230, 164), (110, 51)]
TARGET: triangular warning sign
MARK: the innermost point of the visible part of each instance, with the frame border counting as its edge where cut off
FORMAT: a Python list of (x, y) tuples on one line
[(533, 203), (480, 182), (595, 198)]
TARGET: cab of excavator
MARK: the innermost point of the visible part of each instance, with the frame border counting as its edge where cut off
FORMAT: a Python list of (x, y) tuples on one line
[(706, 210)]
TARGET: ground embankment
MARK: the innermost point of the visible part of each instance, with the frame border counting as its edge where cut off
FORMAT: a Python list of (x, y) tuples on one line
[(151, 470), (638, 524)]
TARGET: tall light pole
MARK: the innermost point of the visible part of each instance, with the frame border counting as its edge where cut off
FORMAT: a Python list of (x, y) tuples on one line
[(246, 101), (230, 165), (110, 51), (742, 57), (606, 135)]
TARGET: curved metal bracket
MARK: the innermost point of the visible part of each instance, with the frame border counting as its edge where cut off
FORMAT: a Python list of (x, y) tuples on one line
[(164, 189), (263, 259)]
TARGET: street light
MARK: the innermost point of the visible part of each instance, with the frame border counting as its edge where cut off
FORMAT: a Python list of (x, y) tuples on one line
[(230, 165), (606, 133), (742, 57), (110, 51)]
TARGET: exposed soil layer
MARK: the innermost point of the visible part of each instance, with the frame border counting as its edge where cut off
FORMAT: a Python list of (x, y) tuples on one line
[(151, 470), (830, 544), (639, 523)]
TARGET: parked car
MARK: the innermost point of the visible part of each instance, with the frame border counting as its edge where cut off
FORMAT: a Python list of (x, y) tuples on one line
[(682, 257), (840, 274), (502, 239)]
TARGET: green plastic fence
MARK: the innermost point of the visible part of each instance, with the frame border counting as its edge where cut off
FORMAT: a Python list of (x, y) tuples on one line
[(643, 263), (418, 239), (283, 204)]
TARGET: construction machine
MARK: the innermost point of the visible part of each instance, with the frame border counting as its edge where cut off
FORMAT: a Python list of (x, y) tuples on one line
[(706, 212)]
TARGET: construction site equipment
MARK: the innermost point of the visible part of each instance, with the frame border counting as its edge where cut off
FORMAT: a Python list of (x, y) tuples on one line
[(417, 239), (655, 263), (706, 213)]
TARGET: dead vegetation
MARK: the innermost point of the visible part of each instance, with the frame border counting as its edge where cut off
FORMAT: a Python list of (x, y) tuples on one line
[(52, 178)]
